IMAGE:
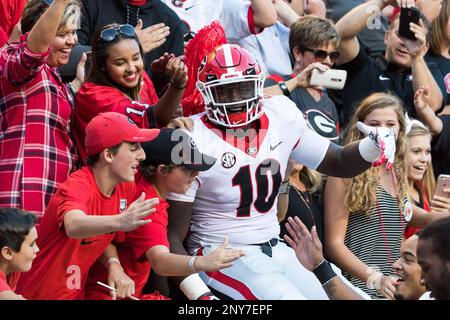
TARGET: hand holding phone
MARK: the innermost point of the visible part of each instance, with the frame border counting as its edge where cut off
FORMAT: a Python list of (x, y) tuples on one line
[(443, 183), (408, 15), (331, 78)]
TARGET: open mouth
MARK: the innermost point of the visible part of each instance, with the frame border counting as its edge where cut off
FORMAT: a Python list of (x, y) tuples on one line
[(130, 78)]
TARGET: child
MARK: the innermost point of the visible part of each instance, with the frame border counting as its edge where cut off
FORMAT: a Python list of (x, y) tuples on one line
[(18, 249)]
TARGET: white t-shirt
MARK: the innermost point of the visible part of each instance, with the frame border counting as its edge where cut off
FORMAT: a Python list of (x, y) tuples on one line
[(237, 197), (236, 16)]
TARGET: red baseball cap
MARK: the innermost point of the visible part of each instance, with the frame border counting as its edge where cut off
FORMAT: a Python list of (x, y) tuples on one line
[(108, 129)]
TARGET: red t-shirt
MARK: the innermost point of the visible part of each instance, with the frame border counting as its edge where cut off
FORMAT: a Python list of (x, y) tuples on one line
[(4, 285), (61, 267), (93, 99), (132, 247)]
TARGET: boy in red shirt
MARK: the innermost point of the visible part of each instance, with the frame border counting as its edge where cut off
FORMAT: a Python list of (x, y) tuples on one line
[(166, 169), (84, 214), (17, 249)]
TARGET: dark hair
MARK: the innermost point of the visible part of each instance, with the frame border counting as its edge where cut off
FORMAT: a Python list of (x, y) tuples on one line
[(15, 225), (149, 172), (439, 233), (36, 8), (92, 160), (98, 72)]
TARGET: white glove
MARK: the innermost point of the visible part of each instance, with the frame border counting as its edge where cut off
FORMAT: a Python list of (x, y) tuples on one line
[(383, 139)]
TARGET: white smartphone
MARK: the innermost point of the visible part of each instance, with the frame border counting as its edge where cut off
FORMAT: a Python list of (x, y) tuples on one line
[(443, 182), (331, 79)]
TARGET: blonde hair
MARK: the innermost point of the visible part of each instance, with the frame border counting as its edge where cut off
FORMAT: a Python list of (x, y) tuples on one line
[(360, 194), (439, 38), (312, 179), (428, 183)]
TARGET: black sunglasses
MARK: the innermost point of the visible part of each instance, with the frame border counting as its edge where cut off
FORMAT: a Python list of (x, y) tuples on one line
[(111, 33), (320, 54)]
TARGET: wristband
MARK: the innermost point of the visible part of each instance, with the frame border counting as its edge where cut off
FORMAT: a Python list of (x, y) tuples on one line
[(284, 188), (191, 264), (324, 272), (283, 87), (193, 287), (176, 87), (374, 280), (111, 260)]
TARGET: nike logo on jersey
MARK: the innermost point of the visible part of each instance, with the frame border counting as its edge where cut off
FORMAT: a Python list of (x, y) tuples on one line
[(275, 146), (384, 78), (85, 243), (188, 8)]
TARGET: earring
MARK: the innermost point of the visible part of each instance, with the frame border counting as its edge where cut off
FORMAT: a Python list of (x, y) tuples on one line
[(297, 65)]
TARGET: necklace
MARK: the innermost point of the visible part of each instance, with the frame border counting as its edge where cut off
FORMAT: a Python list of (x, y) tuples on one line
[(306, 201), (128, 15)]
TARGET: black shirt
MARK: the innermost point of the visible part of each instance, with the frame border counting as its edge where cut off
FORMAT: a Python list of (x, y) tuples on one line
[(441, 148), (97, 13), (321, 115), (444, 66), (367, 75)]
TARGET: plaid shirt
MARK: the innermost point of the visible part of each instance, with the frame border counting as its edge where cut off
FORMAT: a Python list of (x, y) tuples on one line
[(36, 150)]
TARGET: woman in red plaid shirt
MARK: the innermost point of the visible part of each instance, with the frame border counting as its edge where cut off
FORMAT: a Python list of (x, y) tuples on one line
[(36, 150)]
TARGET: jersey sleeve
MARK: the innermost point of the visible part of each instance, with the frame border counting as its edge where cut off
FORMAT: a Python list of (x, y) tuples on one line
[(237, 19), (311, 147)]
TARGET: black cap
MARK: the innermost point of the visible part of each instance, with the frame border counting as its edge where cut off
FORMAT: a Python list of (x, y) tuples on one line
[(174, 146)]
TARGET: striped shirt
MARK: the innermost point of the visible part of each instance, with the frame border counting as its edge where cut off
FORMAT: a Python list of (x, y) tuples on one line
[(376, 240), (36, 150)]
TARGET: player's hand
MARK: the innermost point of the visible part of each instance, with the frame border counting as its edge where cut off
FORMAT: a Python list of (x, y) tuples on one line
[(119, 280), (136, 214), (220, 258), (307, 246), (151, 37), (384, 139), (181, 123)]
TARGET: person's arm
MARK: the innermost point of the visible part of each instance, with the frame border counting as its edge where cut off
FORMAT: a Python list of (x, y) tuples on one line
[(44, 31), (285, 13), (153, 36), (336, 217), (299, 81), (316, 8), (264, 14), (79, 225), (421, 73), (424, 111), (421, 218), (168, 264), (308, 249), (166, 107), (117, 278)]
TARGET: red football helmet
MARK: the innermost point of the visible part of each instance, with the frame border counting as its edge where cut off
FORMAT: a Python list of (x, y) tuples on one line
[(231, 83)]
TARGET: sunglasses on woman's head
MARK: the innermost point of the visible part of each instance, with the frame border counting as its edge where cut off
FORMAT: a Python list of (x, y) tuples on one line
[(111, 33), (320, 54)]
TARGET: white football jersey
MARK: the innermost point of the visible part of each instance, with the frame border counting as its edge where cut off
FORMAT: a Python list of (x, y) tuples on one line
[(232, 14), (237, 197)]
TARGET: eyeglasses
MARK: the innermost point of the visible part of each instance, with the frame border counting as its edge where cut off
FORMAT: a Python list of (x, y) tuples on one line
[(110, 34), (320, 54)]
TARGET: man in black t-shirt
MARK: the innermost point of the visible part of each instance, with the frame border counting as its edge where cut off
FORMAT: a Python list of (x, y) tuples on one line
[(401, 70)]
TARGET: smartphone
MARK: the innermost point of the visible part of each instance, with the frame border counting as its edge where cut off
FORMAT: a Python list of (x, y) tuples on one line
[(331, 79), (408, 15), (443, 182)]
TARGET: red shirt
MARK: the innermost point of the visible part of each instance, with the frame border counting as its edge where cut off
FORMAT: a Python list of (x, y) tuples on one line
[(93, 99), (132, 248), (36, 151), (4, 286), (60, 269), (10, 11)]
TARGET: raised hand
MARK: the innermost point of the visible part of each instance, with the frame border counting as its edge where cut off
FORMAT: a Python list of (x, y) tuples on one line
[(220, 258), (307, 246), (304, 77), (136, 214), (177, 71), (151, 37), (418, 47), (384, 139), (422, 97)]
